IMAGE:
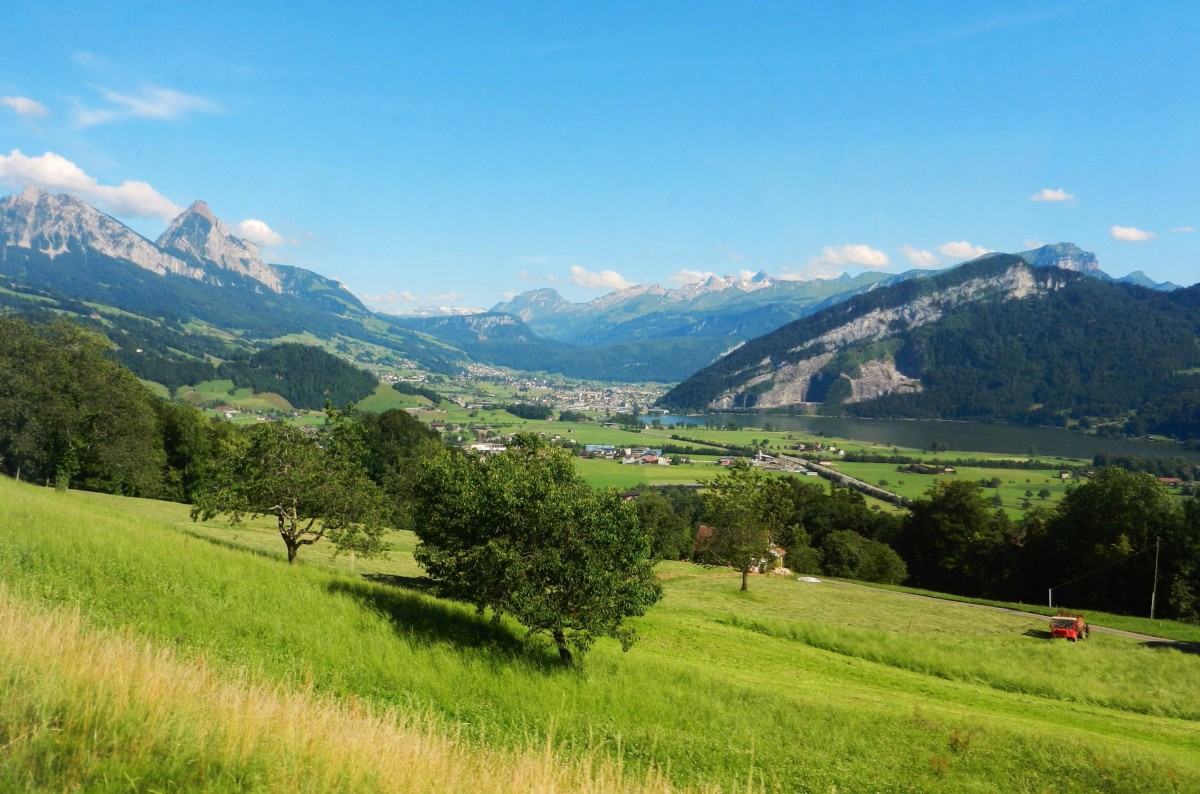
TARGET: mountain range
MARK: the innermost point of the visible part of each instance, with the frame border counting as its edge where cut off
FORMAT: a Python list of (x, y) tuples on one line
[(873, 343), (997, 338), (197, 294)]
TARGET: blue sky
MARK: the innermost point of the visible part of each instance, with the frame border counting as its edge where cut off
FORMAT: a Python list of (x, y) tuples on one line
[(454, 154)]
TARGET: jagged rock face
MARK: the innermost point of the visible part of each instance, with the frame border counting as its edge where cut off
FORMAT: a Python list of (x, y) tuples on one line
[(1066, 256), (198, 234), (877, 378), (534, 304), (52, 224), (791, 384)]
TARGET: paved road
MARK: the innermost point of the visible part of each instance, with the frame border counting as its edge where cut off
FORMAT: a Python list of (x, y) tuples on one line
[(1132, 635)]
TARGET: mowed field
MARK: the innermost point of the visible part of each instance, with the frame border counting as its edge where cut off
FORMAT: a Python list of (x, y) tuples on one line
[(138, 654)]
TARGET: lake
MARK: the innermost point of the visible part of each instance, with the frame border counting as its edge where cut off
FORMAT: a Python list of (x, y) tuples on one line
[(957, 436)]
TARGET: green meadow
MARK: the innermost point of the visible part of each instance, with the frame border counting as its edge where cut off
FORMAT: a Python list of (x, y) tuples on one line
[(166, 655)]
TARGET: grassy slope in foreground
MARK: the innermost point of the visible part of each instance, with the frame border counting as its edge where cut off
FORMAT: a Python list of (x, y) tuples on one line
[(792, 686)]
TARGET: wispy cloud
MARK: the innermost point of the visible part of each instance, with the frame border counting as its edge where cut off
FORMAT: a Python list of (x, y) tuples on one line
[(961, 249), (24, 106), (54, 172), (605, 279), (919, 256), (1052, 195), (258, 232), (1184, 229), (152, 102)]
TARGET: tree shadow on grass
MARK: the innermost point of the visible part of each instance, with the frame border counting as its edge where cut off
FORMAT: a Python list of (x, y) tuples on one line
[(231, 543), (419, 615), (421, 584)]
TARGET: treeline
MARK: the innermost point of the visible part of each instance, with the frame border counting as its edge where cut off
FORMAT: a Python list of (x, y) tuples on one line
[(908, 460), (1096, 548), (1184, 469), (305, 376), (418, 391), (529, 410), (832, 532), (72, 417)]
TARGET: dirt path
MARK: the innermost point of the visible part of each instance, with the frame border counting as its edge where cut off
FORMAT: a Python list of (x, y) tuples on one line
[(1132, 635)]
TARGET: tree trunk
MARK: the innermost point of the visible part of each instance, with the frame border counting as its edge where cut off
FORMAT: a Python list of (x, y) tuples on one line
[(292, 549), (745, 577), (564, 653)]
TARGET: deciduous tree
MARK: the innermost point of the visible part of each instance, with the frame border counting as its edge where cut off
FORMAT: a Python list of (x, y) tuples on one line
[(312, 491), (747, 511), (522, 534)]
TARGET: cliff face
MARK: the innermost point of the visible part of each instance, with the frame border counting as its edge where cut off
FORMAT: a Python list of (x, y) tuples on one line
[(200, 236), (848, 353), (54, 224)]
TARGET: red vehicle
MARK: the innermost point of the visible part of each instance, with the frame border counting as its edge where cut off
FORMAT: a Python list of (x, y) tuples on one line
[(1072, 627)]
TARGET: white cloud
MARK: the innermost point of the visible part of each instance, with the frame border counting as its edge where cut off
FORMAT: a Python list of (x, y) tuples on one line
[(1130, 234), (56, 173), (523, 275), (832, 259), (686, 276), (24, 106), (1052, 195), (961, 249), (734, 256), (509, 294), (918, 256), (162, 104), (1032, 243), (605, 279), (258, 232), (1184, 229), (550, 277)]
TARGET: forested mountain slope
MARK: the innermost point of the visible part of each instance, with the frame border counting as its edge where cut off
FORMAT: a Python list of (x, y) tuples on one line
[(993, 340)]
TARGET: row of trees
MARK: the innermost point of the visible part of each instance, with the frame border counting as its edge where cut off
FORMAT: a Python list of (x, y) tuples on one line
[(1096, 548)]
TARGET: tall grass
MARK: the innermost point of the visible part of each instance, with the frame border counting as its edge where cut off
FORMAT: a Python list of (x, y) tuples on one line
[(112, 712), (701, 700)]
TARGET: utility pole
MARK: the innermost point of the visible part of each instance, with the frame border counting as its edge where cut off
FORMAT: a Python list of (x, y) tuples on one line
[(1154, 590)]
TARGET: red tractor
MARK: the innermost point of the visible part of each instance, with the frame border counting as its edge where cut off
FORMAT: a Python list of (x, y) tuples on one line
[(1072, 627)]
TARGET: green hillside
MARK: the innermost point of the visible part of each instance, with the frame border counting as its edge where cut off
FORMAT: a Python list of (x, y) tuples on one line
[(791, 686)]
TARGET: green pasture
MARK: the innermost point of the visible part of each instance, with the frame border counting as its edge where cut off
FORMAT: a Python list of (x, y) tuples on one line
[(601, 473), (1012, 489), (791, 686), (223, 391)]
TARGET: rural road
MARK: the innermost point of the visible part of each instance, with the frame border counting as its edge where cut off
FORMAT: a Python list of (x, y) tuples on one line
[(1132, 635)]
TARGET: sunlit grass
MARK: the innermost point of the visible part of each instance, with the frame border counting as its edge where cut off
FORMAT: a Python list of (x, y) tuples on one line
[(791, 686)]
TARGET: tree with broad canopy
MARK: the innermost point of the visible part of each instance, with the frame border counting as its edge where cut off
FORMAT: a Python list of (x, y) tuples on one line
[(522, 534), (313, 491)]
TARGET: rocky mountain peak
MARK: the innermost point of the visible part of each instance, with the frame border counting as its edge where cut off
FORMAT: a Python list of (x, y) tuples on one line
[(1066, 256), (201, 208), (199, 235), (53, 224)]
